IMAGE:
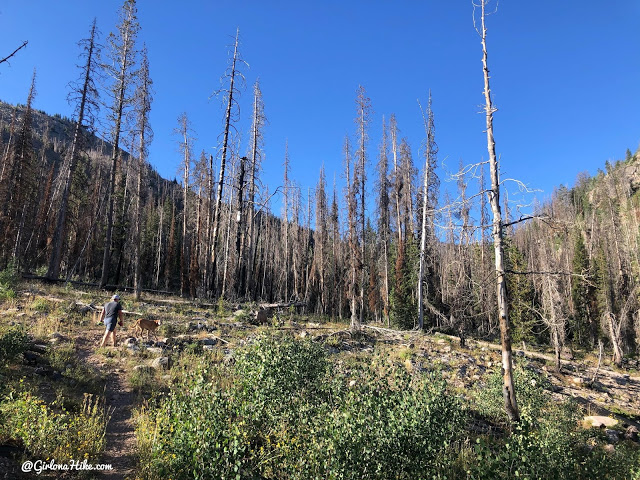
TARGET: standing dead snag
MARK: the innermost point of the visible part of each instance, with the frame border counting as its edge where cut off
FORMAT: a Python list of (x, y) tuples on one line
[(431, 151), (122, 57), (143, 101), (360, 176), (229, 116), (88, 95), (508, 388)]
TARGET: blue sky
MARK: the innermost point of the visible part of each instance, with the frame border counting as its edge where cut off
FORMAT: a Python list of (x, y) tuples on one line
[(565, 76)]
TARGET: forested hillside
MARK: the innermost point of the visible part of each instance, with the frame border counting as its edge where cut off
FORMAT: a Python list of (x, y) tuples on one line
[(573, 269), (388, 247)]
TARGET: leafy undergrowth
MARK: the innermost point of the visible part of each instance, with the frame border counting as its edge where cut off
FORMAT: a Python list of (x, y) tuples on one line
[(285, 410)]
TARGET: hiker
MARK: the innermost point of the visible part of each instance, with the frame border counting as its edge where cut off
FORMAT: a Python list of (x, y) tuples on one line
[(111, 313)]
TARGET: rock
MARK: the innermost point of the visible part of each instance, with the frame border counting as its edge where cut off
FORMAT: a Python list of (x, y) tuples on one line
[(303, 334), (208, 347), (577, 381), (43, 371), (446, 349), (133, 347), (160, 362), (441, 341), (208, 341), (609, 448), (261, 317), (130, 341), (612, 436), (631, 433), (154, 350), (599, 421), (31, 358), (56, 338)]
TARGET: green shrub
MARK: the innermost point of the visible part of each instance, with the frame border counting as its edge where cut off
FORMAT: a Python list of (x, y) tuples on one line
[(281, 411), (49, 432), (531, 393), (222, 309), (548, 442), (143, 380), (9, 276), (13, 343), (8, 282), (64, 358), (41, 305)]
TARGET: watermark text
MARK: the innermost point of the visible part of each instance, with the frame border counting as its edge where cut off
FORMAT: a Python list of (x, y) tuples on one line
[(39, 466)]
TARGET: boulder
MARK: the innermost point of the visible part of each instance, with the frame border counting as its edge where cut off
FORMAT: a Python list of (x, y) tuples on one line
[(262, 317), (160, 362), (599, 421), (631, 433), (612, 436), (154, 350)]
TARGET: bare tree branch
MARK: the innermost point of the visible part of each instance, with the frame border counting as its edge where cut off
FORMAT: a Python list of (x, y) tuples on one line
[(6, 59)]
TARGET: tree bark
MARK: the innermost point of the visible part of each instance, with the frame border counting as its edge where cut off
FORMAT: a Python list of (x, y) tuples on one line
[(508, 388)]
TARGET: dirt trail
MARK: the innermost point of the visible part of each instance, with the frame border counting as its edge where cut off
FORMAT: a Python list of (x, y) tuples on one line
[(120, 439)]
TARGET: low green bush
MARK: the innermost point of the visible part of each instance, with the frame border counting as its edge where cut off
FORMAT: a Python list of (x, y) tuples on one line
[(52, 431), (13, 343), (283, 411), (548, 442), (41, 305)]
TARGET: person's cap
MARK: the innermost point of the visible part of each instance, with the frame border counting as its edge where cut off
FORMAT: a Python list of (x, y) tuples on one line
[(115, 297)]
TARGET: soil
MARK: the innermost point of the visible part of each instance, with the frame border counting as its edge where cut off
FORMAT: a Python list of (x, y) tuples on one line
[(120, 444)]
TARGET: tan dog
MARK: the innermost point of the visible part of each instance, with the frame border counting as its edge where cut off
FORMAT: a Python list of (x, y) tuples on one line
[(149, 325)]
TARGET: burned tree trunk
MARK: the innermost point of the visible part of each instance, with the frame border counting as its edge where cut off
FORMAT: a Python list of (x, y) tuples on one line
[(508, 388)]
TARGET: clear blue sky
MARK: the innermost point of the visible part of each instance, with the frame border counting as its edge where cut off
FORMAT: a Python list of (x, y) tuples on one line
[(565, 75)]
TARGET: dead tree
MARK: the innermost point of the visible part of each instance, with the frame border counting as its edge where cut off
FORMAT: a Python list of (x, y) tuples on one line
[(232, 105), (384, 227), (430, 159), (184, 130), (259, 120), (87, 108), (143, 101), (508, 388), (122, 55), (360, 176)]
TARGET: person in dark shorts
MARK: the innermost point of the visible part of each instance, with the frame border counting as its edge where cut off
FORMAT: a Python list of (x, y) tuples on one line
[(111, 313)]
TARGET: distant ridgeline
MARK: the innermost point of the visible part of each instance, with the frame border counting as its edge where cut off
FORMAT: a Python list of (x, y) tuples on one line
[(573, 278)]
